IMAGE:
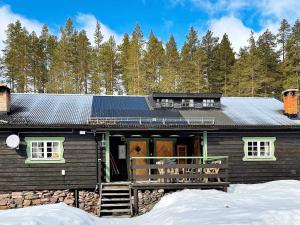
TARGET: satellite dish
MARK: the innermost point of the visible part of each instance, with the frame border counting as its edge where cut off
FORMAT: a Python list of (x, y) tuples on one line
[(13, 141)]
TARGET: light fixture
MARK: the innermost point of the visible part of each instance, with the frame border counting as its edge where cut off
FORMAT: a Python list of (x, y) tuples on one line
[(192, 135), (117, 135), (135, 135), (155, 135), (174, 135)]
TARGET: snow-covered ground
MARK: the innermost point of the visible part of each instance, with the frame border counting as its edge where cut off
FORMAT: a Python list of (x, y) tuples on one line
[(257, 204)]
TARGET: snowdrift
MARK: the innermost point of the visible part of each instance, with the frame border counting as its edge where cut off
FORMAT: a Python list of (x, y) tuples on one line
[(270, 203)]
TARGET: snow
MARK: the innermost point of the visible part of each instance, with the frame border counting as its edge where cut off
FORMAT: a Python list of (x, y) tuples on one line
[(271, 203)]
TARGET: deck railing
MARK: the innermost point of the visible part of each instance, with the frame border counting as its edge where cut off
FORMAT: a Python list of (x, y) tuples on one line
[(151, 121), (172, 170)]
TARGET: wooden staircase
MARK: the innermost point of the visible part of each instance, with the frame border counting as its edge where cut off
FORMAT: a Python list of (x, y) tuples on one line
[(115, 199)]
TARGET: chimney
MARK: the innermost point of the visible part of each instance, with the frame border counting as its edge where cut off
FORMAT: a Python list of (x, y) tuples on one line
[(290, 103), (4, 99)]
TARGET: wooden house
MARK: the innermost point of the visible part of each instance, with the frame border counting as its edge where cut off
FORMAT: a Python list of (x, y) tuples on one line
[(164, 140)]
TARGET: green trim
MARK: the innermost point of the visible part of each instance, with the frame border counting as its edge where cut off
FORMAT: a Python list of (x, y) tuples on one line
[(259, 139), (205, 146), (29, 140), (107, 157)]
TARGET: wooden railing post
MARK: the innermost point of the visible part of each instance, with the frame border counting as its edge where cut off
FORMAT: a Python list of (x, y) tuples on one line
[(226, 169), (131, 170)]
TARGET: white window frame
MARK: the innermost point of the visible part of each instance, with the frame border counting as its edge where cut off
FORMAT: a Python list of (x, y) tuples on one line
[(208, 103), (259, 148), (45, 148), (187, 102)]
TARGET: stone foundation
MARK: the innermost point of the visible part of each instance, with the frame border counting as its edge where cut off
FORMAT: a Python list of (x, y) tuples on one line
[(88, 201), (148, 199)]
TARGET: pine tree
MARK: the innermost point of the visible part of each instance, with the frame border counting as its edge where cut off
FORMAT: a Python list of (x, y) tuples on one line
[(283, 36), (111, 69), (270, 81), (97, 82), (188, 63), (292, 62), (124, 55), (153, 63), (15, 57), (171, 67), (64, 60), (209, 44), (136, 79), (83, 55), (226, 59)]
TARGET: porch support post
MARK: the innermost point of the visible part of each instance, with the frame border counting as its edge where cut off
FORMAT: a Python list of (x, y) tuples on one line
[(204, 146), (107, 157)]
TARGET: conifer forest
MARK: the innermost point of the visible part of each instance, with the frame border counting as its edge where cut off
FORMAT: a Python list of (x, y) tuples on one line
[(139, 65)]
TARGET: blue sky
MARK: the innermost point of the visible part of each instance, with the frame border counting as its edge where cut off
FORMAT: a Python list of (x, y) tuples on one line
[(163, 17)]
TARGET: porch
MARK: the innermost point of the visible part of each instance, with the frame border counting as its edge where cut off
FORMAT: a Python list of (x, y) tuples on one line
[(176, 173)]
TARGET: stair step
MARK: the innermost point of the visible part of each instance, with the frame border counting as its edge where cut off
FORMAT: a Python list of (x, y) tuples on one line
[(115, 188), (116, 183), (116, 216), (114, 194), (115, 205), (115, 210), (114, 199)]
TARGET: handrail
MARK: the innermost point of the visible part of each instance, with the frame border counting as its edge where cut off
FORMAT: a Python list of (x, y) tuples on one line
[(155, 120), (179, 157)]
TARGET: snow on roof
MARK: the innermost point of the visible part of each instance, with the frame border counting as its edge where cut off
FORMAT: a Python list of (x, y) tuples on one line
[(255, 111)]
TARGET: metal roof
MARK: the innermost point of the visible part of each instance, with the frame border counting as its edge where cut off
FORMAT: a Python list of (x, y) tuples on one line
[(186, 95), (63, 109), (52, 109), (257, 111)]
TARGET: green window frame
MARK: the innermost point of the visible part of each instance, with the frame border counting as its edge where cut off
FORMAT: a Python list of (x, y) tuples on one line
[(259, 148), (42, 145)]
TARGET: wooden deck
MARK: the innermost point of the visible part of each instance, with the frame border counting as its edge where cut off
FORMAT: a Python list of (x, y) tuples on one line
[(166, 173)]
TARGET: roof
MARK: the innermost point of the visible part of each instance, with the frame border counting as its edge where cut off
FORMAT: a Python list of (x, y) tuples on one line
[(66, 110), (186, 95), (50, 109)]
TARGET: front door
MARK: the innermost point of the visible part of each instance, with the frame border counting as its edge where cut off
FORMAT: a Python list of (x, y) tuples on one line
[(164, 148), (139, 148)]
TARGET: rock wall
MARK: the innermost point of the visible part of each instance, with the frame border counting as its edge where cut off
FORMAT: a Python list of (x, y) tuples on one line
[(88, 201), (148, 199)]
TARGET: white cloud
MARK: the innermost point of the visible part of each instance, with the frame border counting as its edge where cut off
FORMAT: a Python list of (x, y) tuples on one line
[(88, 23), (237, 32), (7, 17)]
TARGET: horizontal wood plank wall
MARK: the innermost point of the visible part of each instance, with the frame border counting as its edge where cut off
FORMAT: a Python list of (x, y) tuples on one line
[(287, 152), (80, 166)]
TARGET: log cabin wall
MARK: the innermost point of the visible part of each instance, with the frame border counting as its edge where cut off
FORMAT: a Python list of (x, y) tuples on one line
[(79, 166), (287, 152)]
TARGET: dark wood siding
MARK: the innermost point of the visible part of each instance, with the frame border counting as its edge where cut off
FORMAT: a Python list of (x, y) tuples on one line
[(287, 152), (80, 166)]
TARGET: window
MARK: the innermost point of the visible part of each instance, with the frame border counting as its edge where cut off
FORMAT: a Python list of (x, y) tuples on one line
[(208, 103), (259, 148), (187, 103), (167, 102), (44, 150)]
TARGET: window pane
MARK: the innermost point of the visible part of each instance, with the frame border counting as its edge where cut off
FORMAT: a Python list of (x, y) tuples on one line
[(37, 150), (55, 150)]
